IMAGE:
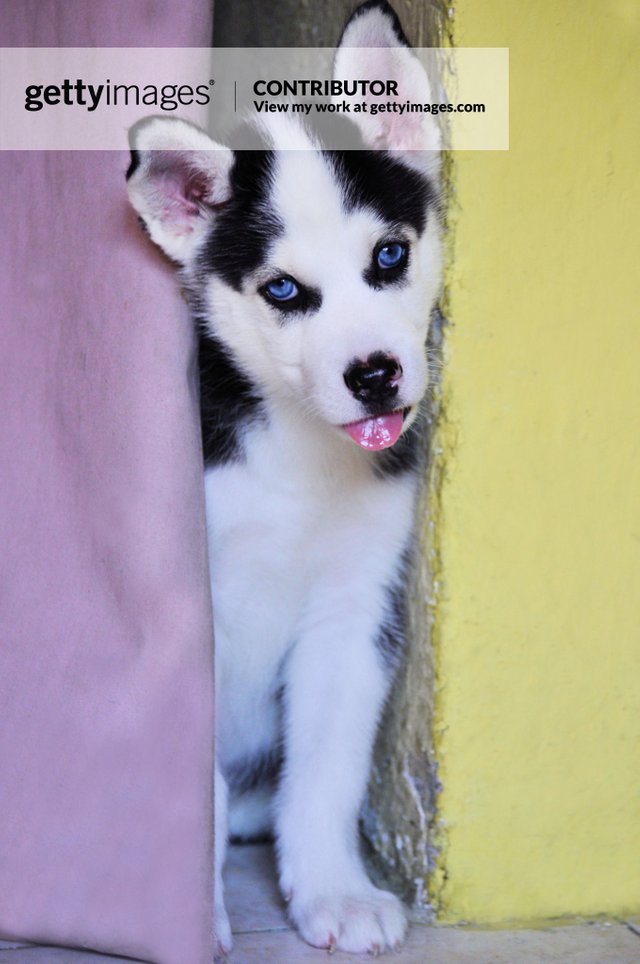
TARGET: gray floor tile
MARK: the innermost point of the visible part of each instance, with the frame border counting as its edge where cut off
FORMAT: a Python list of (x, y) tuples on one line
[(634, 925), (261, 935), (577, 944), (251, 889)]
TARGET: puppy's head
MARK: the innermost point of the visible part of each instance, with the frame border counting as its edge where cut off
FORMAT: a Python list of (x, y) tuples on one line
[(317, 269)]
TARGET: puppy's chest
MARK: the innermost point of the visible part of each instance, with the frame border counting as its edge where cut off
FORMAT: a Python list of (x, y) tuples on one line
[(288, 493), (299, 527), (301, 508)]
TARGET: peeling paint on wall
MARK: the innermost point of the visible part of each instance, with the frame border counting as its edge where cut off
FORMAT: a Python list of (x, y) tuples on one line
[(400, 811)]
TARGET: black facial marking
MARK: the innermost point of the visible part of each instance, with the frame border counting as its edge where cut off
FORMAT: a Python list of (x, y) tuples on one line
[(372, 179), (408, 453), (228, 402), (250, 773), (246, 226), (375, 180)]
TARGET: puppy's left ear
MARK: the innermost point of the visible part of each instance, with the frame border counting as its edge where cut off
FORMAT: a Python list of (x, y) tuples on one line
[(373, 47)]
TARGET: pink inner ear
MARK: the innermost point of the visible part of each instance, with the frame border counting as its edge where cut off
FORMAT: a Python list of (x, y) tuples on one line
[(385, 60), (176, 206), (403, 133), (181, 191), (196, 188), (176, 198)]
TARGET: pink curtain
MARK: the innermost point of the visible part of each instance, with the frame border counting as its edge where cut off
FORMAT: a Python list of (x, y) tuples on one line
[(106, 697)]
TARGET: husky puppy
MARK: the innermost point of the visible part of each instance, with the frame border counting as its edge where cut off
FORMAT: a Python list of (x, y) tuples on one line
[(312, 274)]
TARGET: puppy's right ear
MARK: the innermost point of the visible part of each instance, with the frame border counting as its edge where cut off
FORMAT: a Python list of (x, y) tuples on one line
[(373, 45), (177, 179)]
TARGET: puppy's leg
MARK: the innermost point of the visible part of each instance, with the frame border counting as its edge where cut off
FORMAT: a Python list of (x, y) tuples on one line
[(221, 921), (336, 684)]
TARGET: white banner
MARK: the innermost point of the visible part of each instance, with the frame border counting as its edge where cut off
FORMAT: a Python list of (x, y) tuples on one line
[(87, 98)]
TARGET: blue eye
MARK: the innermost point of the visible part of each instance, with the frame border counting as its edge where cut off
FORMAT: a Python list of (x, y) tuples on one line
[(282, 289), (391, 255)]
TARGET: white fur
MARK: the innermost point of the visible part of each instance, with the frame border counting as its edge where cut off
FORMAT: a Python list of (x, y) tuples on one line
[(369, 49), (305, 362), (156, 196), (297, 580), (305, 539)]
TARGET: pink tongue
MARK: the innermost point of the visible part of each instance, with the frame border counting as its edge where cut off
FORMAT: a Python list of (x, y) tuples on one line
[(376, 433)]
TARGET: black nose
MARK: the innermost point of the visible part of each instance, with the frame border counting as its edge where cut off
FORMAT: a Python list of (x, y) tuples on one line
[(375, 380)]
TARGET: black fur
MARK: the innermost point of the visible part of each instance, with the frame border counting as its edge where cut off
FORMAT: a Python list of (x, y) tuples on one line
[(392, 636), (248, 774), (246, 225), (407, 455), (384, 8), (374, 180), (228, 400), (134, 162)]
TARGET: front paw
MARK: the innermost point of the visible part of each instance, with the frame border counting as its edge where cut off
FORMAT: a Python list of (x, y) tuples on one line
[(372, 921)]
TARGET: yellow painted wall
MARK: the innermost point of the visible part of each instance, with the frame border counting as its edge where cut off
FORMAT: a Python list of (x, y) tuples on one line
[(538, 622)]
